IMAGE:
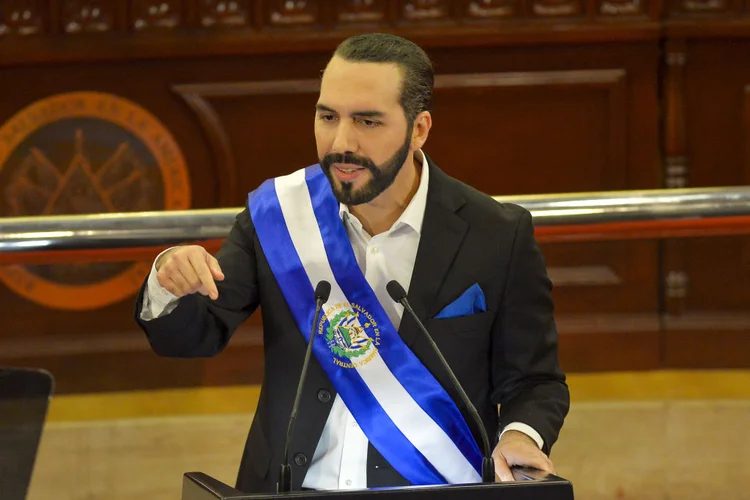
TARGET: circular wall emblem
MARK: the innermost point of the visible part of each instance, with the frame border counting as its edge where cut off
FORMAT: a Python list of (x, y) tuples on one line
[(80, 153)]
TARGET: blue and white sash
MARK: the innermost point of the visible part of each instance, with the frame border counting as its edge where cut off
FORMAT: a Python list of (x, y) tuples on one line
[(398, 403)]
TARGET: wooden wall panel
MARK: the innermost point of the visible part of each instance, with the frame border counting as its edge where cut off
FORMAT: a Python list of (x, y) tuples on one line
[(489, 126), (237, 118), (709, 323), (532, 96)]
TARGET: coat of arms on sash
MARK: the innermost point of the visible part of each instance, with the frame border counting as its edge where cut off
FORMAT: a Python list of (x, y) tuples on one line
[(352, 335)]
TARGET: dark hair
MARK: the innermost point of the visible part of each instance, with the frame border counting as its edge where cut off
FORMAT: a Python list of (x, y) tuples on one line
[(416, 68)]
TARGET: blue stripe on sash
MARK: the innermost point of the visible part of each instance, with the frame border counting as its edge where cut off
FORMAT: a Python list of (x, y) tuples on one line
[(298, 291), (410, 372)]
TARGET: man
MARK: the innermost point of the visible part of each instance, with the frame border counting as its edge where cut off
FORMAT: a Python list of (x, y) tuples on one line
[(378, 408)]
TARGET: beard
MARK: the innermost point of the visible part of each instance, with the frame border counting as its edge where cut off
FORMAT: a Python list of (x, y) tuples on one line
[(382, 175)]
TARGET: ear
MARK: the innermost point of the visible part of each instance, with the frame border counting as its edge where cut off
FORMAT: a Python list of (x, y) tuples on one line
[(420, 130)]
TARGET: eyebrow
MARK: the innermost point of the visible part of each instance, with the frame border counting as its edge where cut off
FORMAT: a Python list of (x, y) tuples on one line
[(362, 114)]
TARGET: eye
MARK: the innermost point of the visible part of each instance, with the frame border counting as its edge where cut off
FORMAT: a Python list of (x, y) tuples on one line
[(327, 117), (369, 123)]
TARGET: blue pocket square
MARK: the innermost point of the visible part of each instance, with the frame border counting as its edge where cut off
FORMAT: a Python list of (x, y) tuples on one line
[(470, 302)]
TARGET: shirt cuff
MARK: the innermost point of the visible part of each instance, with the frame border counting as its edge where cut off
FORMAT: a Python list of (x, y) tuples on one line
[(526, 429), (156, 298)]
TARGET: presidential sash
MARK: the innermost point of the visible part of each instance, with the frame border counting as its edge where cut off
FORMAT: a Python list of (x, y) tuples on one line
[(400, 406)]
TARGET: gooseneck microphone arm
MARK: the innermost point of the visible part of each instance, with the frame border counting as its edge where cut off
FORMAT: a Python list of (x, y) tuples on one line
[(398, 294), (322, 291)]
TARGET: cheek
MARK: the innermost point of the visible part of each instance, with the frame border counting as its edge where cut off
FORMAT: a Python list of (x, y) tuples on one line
[(323, 141), (382, 149)]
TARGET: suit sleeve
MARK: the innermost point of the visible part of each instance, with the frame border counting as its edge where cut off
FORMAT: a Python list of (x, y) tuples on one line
[(199, 326), (528, 383)]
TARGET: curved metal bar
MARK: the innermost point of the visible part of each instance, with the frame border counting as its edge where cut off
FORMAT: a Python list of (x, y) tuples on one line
[(574, 213), (630, 206)]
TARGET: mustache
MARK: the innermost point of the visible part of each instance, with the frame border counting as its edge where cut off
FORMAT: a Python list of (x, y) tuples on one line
[(349, 158)]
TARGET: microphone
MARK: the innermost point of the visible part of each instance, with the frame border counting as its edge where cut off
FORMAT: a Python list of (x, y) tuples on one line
[(322, 291), (398, 294)]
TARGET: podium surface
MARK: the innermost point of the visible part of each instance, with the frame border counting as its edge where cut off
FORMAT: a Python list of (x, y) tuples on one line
[(529, 485), (24, 398)]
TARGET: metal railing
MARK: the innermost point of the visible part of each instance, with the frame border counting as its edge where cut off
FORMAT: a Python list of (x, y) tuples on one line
[(558, 217)]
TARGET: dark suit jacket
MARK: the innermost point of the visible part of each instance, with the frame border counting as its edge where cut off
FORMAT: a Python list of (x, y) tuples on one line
[(506, 356)]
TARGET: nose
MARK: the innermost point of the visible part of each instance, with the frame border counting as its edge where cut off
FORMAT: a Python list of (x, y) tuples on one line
[(345, 140)]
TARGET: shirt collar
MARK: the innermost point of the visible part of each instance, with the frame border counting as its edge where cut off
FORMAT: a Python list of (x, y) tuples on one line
[(413, 215)]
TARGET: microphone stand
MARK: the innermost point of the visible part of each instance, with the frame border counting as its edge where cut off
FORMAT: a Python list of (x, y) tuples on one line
[(322, 291), (398, 294)]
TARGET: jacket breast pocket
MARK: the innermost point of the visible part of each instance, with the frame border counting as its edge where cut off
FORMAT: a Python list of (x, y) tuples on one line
[(464, 342), (471, 325), (462, 338)]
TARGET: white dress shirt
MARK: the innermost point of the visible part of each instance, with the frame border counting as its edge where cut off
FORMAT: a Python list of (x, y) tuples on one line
[(340, 458)]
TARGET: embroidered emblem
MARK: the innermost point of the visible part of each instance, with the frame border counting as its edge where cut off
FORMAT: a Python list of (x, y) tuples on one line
[(352, 335)]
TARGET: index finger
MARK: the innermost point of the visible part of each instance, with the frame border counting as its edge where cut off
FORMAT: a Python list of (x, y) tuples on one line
[(502, 471), (204, 274)]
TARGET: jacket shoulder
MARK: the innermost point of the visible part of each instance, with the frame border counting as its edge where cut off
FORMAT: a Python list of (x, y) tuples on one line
[(481, 207)]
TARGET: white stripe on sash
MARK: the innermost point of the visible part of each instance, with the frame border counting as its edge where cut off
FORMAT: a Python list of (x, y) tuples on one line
[(418, 427)]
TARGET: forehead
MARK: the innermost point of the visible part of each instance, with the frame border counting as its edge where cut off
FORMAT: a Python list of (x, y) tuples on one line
[(355, 84)]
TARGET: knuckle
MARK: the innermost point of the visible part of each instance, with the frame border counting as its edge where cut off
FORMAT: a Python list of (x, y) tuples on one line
[(163, 276), (196, 249)]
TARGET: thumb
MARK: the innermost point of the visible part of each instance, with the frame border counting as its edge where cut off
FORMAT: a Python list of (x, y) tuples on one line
[(213, 265), (501, 468)]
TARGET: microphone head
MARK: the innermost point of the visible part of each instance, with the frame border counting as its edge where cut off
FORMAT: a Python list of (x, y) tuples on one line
[(395, 290), (322, 291)]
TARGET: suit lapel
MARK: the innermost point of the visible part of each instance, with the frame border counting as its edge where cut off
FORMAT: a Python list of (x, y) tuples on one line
[(443, 232)]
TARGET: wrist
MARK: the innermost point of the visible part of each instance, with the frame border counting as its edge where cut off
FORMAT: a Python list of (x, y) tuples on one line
[(163, 258), (525, 429), (514, 435)]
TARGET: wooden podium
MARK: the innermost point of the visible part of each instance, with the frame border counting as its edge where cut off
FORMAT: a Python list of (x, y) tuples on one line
[(24, 399), (529, 485)]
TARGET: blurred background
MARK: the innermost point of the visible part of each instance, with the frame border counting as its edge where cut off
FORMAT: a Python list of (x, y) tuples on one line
[(142, 105)]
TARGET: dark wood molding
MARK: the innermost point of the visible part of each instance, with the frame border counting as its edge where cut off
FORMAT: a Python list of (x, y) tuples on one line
[(218, 138), (709, 321), (674, 276), (113, 47), (746, 130), (675, 161), (240, 89), (67, 344), (599, 78), (707, 339), (575, 276), (73, 31)]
